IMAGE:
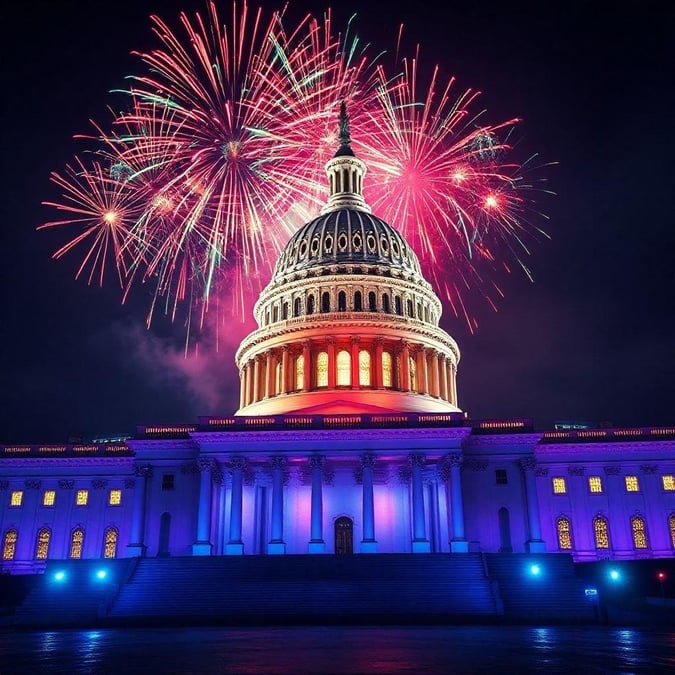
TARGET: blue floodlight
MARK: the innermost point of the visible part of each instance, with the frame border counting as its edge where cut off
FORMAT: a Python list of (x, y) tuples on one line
[(60, 576), (535, 570), (101, 574), (614, 575)]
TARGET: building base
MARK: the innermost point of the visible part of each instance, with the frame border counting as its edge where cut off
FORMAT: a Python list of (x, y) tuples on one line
[(537, 546), (234, 549), (421, 546), (318, 546), (136, 550), (276, 548), (202, 548), (459, 546), (368, 546)]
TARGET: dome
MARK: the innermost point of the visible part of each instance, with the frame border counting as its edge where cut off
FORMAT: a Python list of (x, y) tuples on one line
[(346, 236)]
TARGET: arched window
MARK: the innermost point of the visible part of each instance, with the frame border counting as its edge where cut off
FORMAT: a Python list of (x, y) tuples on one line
[(342, 301), (325, 302), (410, 308), (364, 368), (397, 305), (372, 302), (42, 543), (601, 532), (299, 372), (386, 369), (419, 311), (639, 530), (564, 529), (358, 304), (671, 527), (386, 307), (110, 542), (76, 543), (277, 378), (412, 367), (296, 307), (310, 304), (284, 311), (9, 544), (426, 313), (344, 368), (275, 314), (322, 369)]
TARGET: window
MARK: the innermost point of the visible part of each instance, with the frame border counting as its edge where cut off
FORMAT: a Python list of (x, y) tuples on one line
[(115, 497), (632, 484), (386, 369), (372, 302), (601, 532), (310, 304), (386, 306), (48, 498), (595, 484), (168, 481), (9, 544), (76, 542), (559, 485), (344, 368), (81, 497), (639, 530), (299, 372), (358, 304), (500, 477), (564, 529), (16, 498), (671, 527), (110, 542), (42, 543), (296, 307), (364, 368), (325, 302), (397, 305), (668, 482), (412, 366), (322, 369), (342, 301)]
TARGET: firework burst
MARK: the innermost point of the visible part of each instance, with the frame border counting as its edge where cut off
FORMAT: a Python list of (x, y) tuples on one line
[(219, 157)]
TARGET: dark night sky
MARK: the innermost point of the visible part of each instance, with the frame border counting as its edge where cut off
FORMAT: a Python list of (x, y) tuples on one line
[(592, 338)]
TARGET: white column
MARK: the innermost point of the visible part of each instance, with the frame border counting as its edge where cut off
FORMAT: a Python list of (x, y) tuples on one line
[(136, 546), (276, 544), (420, 543), (368, 543), (235, 545), (316, 542), (535, 544), (203, 544)]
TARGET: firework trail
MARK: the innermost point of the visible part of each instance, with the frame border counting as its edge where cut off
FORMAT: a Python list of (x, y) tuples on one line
[(219, 157)]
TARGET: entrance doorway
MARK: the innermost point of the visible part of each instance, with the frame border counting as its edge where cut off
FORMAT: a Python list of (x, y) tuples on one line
[(344, 536)]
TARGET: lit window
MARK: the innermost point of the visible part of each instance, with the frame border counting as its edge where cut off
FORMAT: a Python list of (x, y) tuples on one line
[(16, 498), (115, 498), (299, 372), (671, 527), (9, 545), (48, 498), (42, 544), (564, 529), (601, 532), (82, 497), (364, 368), (638, 528), (500, 477), (632, 484), (110, 545), (668, 482), (595, 484), (386, 369), (322, 369), (413, 373), (559, 486), (76, 542), (344, 368)]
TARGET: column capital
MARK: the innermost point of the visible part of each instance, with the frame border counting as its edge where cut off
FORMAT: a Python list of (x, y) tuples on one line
[(278, 462), (330, 340), (143, 470), (317, 461), (205, 464), (356, 339), (528, 463), (238, 463), (66, 484), (417, 460), (367, 461)]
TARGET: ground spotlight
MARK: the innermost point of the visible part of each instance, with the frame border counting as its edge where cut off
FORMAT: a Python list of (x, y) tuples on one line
[(614, 575), (60, 576), (535, 570), (101, 574)]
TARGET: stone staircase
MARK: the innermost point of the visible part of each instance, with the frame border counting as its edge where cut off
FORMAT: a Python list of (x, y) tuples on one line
[(268, 589)]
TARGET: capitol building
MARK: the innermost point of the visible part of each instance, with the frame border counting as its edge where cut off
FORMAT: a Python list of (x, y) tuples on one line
[(349, 440)]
